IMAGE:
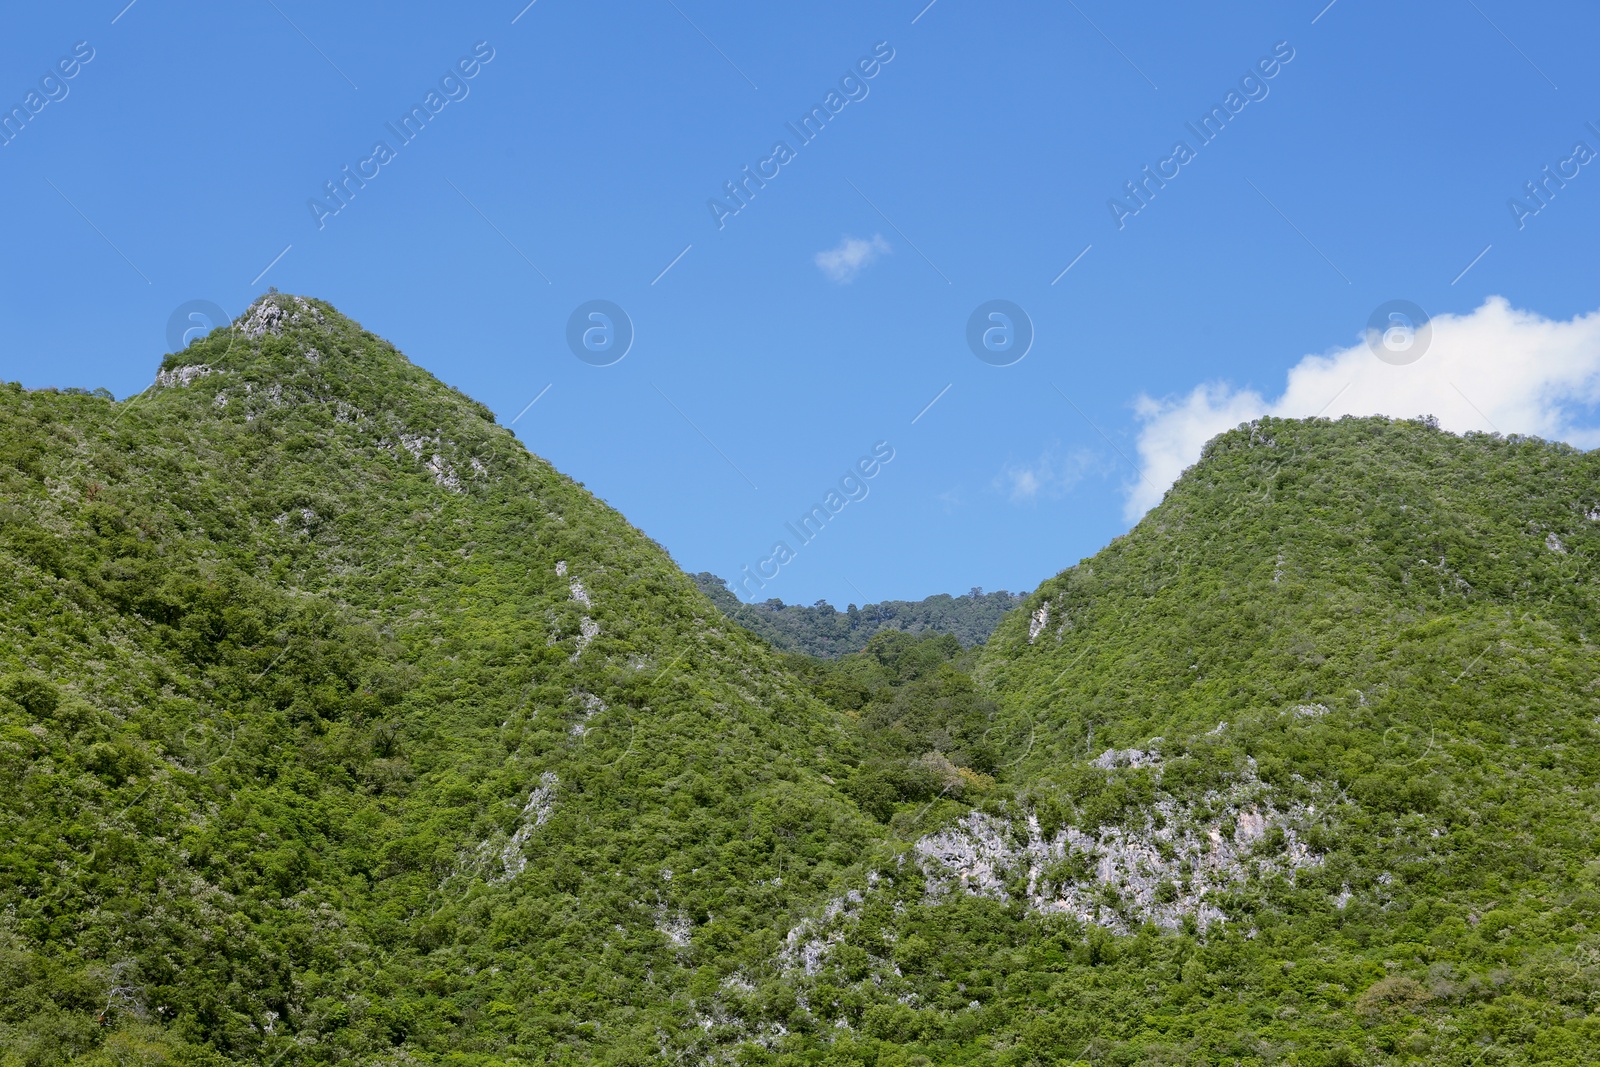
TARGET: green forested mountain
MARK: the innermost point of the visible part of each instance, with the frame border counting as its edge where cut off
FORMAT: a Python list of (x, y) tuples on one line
[(337, 728), (1364, 654), (337, 725), (823, 630)]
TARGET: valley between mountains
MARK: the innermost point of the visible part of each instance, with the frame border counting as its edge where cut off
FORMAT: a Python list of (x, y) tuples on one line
[(337, 727)]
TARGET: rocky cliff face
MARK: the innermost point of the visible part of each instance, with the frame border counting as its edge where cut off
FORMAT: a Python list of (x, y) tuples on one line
[(1171, 867)]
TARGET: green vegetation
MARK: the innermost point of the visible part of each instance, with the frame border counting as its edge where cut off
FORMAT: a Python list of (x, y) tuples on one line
[(823, 630), (923, 722), (285, 655), (1393, 625), (337, 728)]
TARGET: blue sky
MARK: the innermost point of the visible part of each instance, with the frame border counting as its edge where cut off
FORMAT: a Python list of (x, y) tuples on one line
[(772, 352)]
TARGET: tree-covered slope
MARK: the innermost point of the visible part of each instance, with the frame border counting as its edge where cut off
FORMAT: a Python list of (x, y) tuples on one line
[(337, 728), (1305, 769), (1368, 650), (823, 630), (335, 723)]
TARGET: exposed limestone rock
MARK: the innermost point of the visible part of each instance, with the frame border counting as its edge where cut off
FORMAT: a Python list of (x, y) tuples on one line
[(1038, 621), (1113, 758), (181, 376), (806, 945), (588, 630), (676, 929), (307, 520), (592, 706), (271, 314), (1166, 871), (263, 318), (258, 402), (541, 805), (443, 473), (415, 443), (304, 312)]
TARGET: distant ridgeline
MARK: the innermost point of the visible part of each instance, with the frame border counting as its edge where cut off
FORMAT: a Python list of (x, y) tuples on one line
[(824, 630)]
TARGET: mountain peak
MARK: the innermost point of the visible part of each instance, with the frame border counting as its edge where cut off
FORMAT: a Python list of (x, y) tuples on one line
[(289, 351), (300, 322), (274, 311)]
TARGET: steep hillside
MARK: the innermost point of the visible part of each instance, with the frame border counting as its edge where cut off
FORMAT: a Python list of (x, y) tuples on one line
[(335, 722), (1340, 692), (337, 728), (823, 630), (1304, 769)]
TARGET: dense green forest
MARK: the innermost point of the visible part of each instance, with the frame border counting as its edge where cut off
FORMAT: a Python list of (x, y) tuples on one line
[(335, 727), (823, 630)]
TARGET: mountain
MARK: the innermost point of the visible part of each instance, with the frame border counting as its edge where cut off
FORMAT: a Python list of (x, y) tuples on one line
[(335, 727), (1341, 692), (336, 723), (823, 630)]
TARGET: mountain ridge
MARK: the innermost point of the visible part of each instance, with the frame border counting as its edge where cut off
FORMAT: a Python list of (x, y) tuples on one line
[(337, 727), (820, 629), (297, 493)]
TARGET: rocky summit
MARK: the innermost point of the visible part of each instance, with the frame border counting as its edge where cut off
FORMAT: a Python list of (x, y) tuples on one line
[(336, 727)]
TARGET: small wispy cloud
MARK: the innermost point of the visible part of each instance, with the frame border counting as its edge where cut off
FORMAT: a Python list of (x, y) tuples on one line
[(850, 257), (1053, 474)]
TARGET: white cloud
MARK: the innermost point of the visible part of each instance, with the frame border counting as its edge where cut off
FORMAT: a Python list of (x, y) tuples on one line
[(1496, 369), (842, 263), (1051, 475)]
